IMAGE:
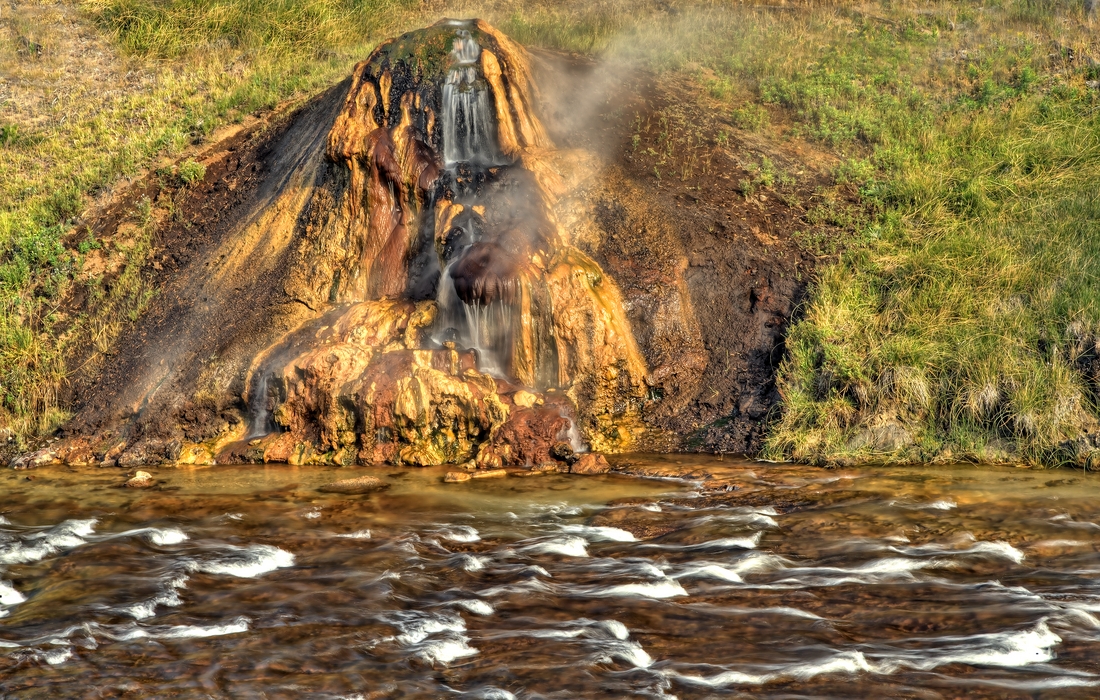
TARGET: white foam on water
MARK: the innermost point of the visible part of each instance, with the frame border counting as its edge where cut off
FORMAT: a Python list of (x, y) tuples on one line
[(1004, 649), (10, 596), (944, 504), (1012, 649), (4, 521), (477, 607), (1018, 684), (568, 546), (312, 514), (632, 653), (778, 610), (39, 545), (471, 562), (756, 561), (460, 533), (435, 638), (651, 507), (997, 549), (249, 562), (617, 629), (416, 626), (495, 694), (236, 626), (892, 565), (599, 533), (446, 650), (752, 518), (169, 597), (667, 588), (57, 656), (167, 536), (548, 634), (712, 571), (357, 535), (1000, 549), (846, 662)]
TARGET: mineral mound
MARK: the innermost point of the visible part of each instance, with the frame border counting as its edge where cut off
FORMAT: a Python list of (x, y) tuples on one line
[(404, 271)]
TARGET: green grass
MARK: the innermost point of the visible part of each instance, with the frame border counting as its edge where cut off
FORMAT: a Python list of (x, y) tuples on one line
[(962, 319)]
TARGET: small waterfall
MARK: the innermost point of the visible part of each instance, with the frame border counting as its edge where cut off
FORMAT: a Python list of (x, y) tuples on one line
[(470, 144), (260, 420), (469, 122), (485, 328)]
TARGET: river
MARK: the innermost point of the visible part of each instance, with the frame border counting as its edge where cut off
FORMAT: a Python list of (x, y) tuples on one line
[(737, 579)]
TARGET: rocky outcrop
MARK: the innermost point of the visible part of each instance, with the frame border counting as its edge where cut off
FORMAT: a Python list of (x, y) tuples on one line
[(414, 273)]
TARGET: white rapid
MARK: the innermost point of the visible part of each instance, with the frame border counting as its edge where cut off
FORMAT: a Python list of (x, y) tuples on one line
[(797, 584)]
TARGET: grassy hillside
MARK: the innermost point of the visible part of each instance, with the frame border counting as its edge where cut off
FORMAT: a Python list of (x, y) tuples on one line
[(960, 321)]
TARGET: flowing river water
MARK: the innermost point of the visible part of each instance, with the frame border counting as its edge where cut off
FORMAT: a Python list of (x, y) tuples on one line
[(738, 580)]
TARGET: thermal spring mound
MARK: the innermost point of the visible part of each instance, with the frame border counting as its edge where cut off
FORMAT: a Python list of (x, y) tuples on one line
[(464, 325), (407, 270)]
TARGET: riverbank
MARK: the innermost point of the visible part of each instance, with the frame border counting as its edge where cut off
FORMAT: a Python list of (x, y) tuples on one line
[(944, 153)]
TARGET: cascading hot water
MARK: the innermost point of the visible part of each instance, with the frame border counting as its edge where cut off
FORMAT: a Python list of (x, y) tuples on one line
[(469, 133)]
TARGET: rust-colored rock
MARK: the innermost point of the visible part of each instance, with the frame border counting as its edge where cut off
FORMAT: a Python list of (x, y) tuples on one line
[(528, 435), (457, 477), (590, 464)]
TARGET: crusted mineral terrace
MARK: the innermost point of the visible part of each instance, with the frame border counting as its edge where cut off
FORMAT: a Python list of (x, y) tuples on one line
[(408, 270)]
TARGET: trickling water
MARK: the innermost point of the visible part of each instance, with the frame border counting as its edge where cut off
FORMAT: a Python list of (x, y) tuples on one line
[(247, 582), (260, 421), (484, 328), (470, 145), (469, 123)]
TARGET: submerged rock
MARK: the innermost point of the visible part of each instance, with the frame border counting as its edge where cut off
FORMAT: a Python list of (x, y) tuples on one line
[(358, 485), (457, 477), (489, 474)]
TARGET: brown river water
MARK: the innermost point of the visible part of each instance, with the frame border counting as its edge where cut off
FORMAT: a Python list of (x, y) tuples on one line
[(246, 582)]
